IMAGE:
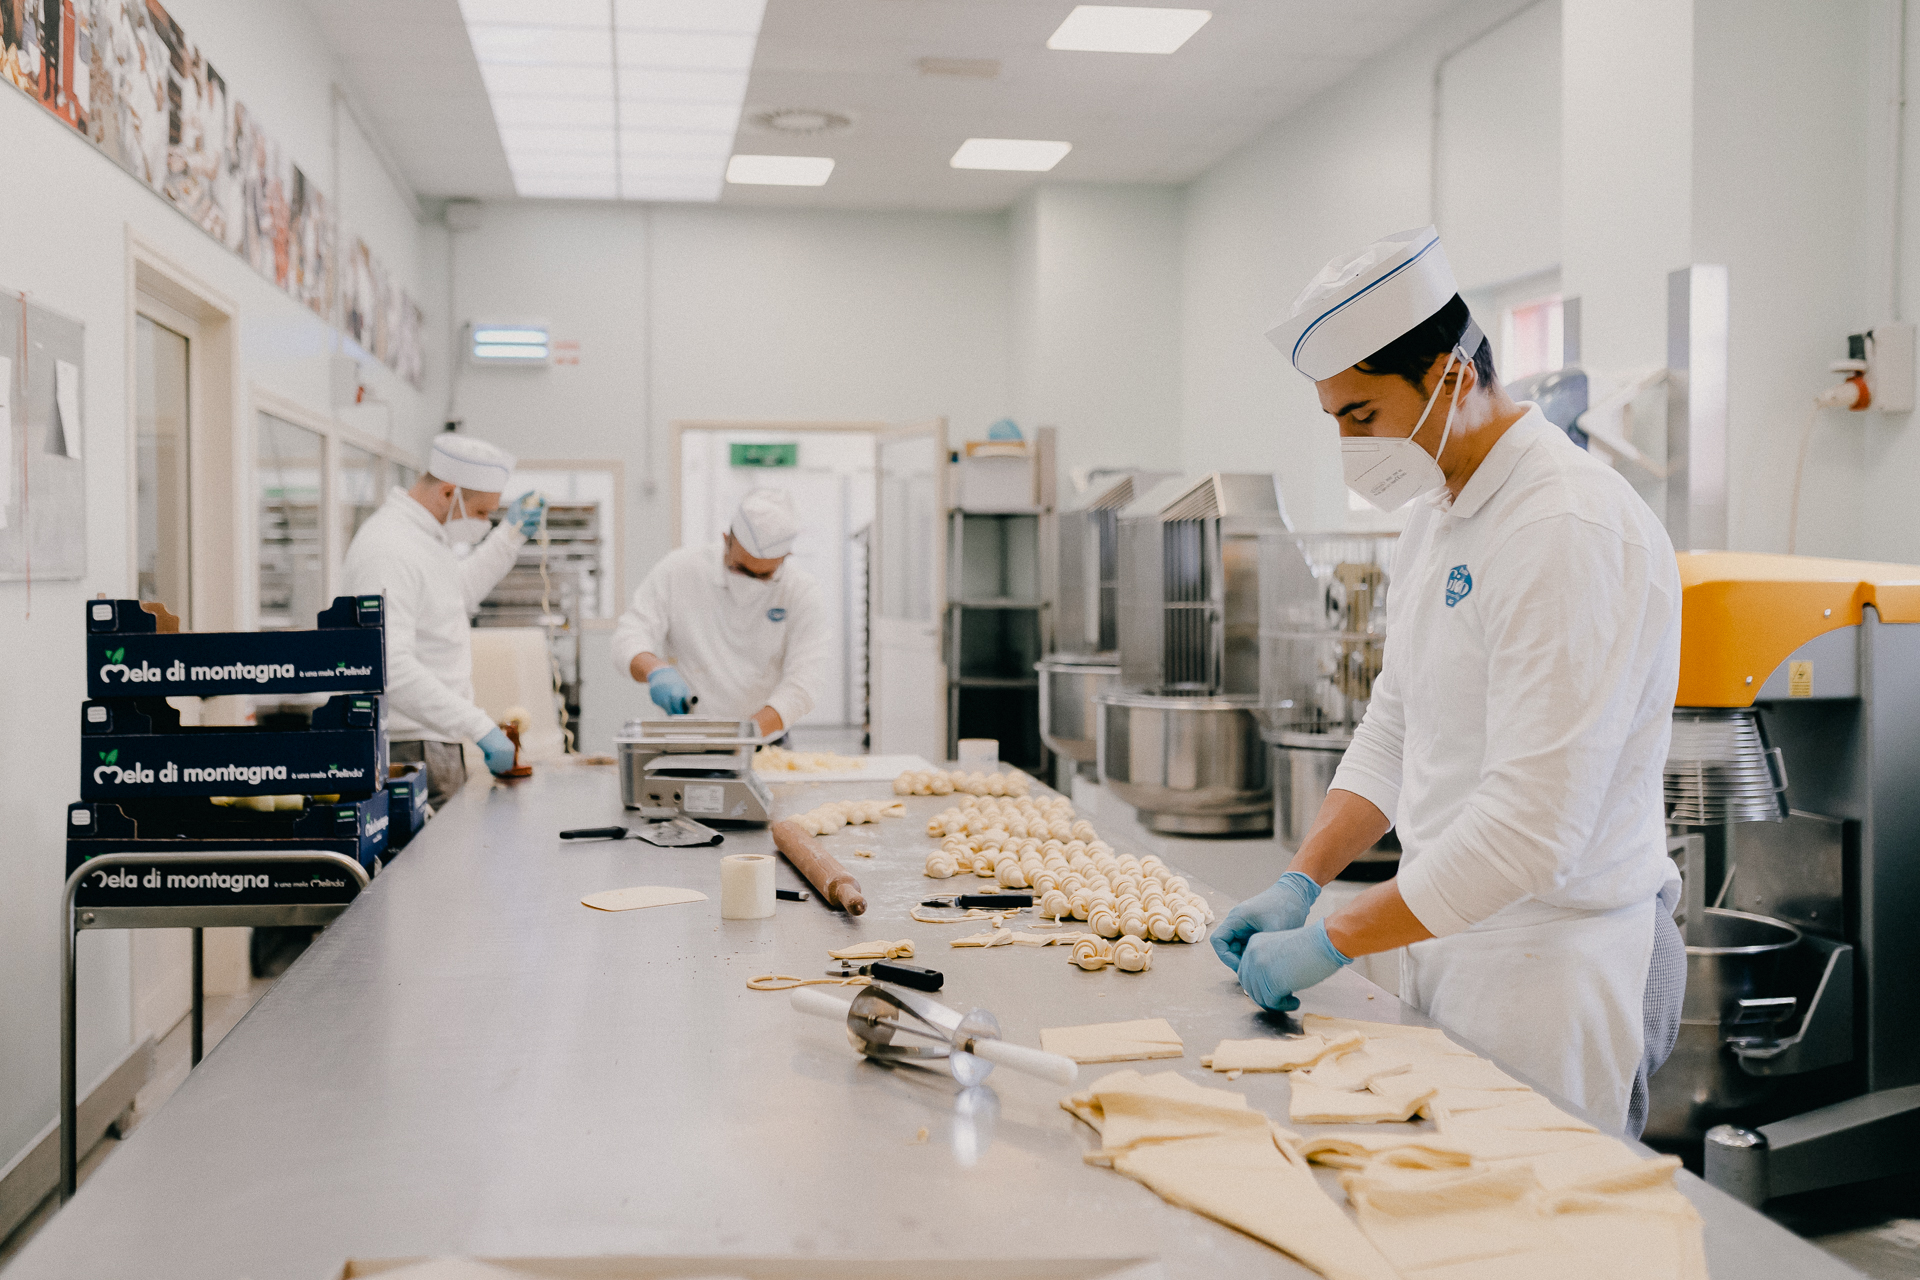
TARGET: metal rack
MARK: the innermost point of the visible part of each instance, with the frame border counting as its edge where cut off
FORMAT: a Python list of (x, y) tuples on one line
[(999, 617), (577, 567)]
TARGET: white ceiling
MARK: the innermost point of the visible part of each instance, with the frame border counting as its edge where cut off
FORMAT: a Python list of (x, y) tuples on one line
[(1130, 117)]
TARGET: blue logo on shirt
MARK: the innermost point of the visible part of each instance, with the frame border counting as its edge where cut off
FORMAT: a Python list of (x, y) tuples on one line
[(1459, 585), (776, 615)]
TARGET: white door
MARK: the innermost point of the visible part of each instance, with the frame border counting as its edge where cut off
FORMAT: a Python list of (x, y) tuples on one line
[(910, 593), (830, 477)]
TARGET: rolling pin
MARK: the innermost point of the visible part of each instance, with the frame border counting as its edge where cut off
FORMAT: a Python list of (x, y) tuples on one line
[(821, 868)]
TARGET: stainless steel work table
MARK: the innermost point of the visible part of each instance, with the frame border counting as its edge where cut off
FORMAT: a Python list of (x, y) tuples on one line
[(471, 1062)]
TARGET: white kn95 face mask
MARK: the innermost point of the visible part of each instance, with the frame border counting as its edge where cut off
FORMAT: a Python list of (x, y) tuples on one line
[(463, 530), (1392, 471)]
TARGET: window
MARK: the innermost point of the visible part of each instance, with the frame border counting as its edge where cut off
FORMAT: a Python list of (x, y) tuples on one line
[(1532, 338), (289, 466), (161, 536), (364, 477)]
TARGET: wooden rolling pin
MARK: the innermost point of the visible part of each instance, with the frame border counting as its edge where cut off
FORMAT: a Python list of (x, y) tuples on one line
[(822, 870)]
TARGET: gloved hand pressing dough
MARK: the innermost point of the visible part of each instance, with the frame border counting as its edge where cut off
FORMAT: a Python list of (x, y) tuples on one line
[(1275, 910), (498, 749), (669, 691), (526, 511), (1275, 965)]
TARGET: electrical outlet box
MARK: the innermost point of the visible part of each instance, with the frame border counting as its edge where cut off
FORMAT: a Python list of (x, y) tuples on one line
[(1890, 367)]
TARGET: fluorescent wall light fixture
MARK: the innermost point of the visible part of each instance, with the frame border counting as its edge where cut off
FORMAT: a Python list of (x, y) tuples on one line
[(780, 171), (616, 99), (1026, 154), (1108, 28), (520, 345)]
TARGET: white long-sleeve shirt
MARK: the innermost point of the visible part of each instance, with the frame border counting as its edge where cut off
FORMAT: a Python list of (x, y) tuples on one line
[(741, 644), (402, 553), (1521, 717)]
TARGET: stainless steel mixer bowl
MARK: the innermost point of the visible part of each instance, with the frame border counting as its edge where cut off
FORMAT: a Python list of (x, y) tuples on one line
[(1191, 766), (1701, 1085), (1304, 762), (1068, 683)]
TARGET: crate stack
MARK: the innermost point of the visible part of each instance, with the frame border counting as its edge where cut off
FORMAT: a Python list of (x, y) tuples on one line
[(150, 785)]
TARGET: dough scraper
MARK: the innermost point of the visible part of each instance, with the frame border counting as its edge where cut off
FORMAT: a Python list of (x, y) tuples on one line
[(903, 1026)]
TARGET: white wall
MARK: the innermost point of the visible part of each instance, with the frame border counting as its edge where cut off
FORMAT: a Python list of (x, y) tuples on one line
[(67, 213), (1350, 166), (754, 315), (1095, 326)]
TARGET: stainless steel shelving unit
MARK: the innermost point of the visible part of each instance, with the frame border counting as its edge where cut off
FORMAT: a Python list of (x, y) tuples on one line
[(999, 615)]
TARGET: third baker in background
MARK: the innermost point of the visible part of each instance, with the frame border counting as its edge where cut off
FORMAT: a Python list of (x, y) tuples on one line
[(735, 626)]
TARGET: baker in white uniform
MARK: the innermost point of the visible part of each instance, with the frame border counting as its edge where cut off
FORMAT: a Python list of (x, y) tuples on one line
[(735, 626), (1520, 720), (406, 552)]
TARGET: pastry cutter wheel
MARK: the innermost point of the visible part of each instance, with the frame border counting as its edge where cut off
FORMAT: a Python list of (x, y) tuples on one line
[(903, 1026)]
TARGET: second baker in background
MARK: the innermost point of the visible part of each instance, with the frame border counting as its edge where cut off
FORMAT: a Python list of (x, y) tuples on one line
[(736, 626)]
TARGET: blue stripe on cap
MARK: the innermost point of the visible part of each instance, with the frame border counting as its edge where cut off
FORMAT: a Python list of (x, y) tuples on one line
[(1308, 331)]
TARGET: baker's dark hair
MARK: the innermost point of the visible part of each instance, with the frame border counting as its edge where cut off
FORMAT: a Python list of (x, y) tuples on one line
[(1412, 354)]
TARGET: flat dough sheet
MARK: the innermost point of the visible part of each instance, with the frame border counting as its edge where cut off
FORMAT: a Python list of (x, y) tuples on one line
[(646, 895), (1114, 1041), (1278, 1055)]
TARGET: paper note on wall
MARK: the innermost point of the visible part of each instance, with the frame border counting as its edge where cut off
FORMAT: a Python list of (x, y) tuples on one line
[(67, 394), (6, 437)]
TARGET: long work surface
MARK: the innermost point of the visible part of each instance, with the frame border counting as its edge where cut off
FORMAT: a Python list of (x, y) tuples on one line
[(471, 1062)]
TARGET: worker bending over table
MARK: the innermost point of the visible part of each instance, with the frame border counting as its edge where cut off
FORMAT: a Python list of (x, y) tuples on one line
[(411, 552), (735, 627), (1520, 719)]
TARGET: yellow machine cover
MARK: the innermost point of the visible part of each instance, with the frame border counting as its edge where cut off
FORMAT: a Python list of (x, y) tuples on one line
[(1742, 614)]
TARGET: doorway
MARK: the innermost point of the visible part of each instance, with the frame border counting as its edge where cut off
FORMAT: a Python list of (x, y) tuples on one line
[(185, 550), (829, 471)]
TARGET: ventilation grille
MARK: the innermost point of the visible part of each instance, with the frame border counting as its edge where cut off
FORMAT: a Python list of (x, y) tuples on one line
[(1189, 635), (1202, 502), (1115, 498)]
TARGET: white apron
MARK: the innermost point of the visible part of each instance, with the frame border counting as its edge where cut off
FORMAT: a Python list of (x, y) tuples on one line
[(1556, 994)]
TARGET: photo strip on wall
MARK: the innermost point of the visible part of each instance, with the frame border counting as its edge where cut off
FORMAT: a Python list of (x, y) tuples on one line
[(123, 74)]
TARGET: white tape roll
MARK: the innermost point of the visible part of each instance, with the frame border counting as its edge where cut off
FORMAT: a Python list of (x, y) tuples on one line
[(746, 886)]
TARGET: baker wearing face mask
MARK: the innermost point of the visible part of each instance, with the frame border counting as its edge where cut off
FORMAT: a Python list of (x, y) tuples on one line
[(1520, 719), (429, 550), (734, 626)]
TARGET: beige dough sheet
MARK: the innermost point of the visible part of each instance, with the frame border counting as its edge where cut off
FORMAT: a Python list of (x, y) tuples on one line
[(646, 895), (1278, 1055), (1114, 1041)]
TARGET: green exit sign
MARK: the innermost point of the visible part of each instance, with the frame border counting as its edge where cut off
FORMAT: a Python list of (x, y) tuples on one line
[(765, 455)]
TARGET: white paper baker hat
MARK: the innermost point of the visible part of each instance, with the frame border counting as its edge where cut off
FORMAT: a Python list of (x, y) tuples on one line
[(766, 525), (1361, 302), (469, 463)]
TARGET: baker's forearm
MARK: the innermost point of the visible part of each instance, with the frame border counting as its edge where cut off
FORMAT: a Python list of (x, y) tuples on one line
[(1377, 920), (1348, 826), (769, 720), (645, 664)]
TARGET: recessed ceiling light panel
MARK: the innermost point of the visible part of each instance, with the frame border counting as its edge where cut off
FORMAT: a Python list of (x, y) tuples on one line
[(1109, 28), (1024, 154), (801, 120), (624, 74)]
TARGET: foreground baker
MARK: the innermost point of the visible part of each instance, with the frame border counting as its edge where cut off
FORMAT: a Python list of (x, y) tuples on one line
[(406, 551), (735, 626), (1520, 719)]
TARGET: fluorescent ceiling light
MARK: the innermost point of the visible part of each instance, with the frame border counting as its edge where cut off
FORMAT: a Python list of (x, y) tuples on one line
[(1108, 28), (1024, 154), (780, 171), (652, 88)]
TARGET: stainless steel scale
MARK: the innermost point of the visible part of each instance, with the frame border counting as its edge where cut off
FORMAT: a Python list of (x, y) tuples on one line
[(701, 768)]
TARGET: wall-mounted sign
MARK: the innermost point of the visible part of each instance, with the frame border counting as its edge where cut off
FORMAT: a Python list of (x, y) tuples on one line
[(764, 455)]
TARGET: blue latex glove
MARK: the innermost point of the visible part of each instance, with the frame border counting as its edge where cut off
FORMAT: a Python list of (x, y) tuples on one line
[(1275, 965), (1274, 910), (669, 691), (526, 511), (498, 749)]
